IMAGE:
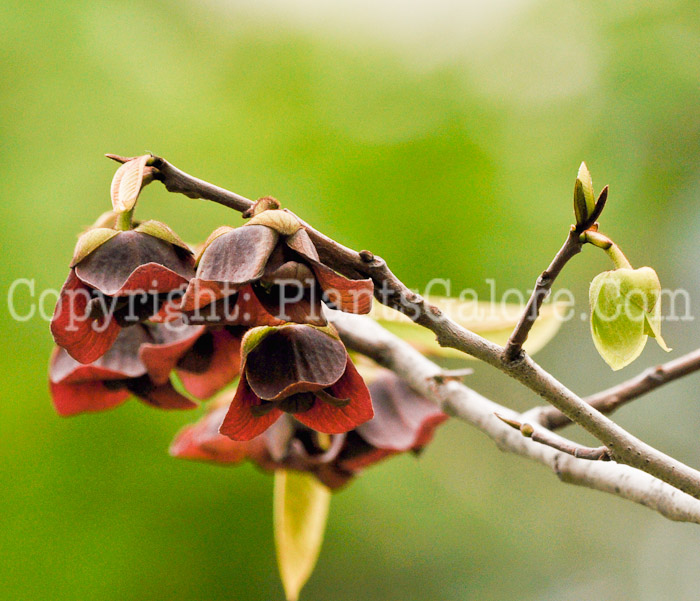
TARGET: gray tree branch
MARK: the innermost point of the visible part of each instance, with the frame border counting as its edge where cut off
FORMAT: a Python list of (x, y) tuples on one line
[(389, 290), (367, 337)]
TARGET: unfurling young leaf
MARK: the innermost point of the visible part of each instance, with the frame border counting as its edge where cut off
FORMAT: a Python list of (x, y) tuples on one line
[(127, 183), (300, 510), (625, 310)]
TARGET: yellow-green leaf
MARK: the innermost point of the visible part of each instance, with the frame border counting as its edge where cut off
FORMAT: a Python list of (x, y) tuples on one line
[(127, 183), (300, 510), (493, 321)]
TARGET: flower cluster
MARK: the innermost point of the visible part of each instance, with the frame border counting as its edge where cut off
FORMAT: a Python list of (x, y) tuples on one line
[(138, 308), (141, 315)]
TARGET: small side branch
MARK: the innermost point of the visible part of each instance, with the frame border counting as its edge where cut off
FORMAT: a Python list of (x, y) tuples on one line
[(608, 401), (571, 247), (557, 442)]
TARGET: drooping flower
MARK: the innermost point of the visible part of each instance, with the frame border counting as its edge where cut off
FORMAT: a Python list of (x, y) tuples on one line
[(268, 272), (140, 363), (403, 421), (205, 359), (117, 278), (299, 369)]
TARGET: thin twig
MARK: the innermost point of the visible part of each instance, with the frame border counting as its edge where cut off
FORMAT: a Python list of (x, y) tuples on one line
[(366, 336), (571, 247), (557, 442), (390, 291), (608, 401)]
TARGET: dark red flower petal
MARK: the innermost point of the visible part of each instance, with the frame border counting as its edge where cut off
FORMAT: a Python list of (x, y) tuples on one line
[(294, 359), (239, 256), (351, 296), (201, 293), (163, 396), (292, 303), (84, 338), (148, 279), (250, 312), (330, 419), (223, 366), (301, 243), (360, 461), (186, 446), (403, 420), (202, 441), (71, 399), (131, 261), (240, 423), (242, 308), (161, 357), (169, 311)]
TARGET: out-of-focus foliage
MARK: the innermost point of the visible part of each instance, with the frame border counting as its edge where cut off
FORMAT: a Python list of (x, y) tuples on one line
[(442, 135)]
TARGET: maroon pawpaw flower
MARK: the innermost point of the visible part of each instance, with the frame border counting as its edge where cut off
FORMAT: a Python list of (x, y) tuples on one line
[(403, 421), (299, 369), (117, 279), (140, 363), (268, 272), (205, 359)]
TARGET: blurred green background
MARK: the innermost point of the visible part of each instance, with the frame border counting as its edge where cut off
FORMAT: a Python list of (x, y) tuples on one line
[(443, 135)]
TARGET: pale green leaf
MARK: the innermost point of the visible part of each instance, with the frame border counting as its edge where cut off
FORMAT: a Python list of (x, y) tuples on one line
[(493, 321), (300, 510)]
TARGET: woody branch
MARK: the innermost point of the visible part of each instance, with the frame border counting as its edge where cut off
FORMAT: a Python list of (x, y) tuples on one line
[(623, 447), (366, 336)]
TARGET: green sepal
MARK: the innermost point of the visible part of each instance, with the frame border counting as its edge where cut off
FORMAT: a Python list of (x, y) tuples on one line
[(256, 335), (253, 338), (279, 220), (91, 240), (158, 229)]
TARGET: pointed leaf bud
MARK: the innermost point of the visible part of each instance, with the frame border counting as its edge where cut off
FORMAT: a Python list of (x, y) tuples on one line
[(127, 183), (584, 199)]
